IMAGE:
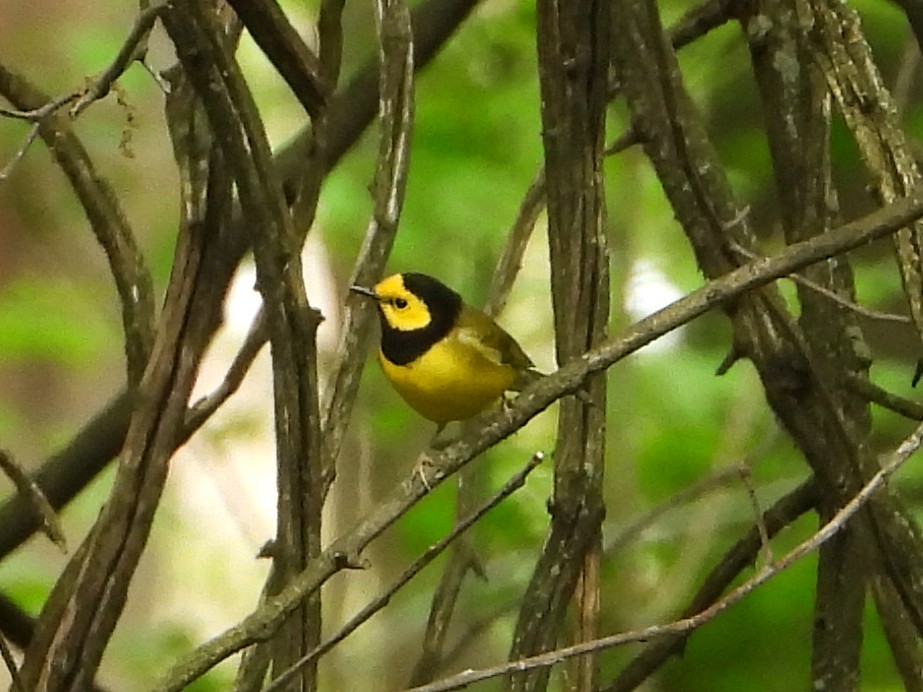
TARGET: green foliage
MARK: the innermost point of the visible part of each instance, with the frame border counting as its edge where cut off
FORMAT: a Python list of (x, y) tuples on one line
[(138, 665), (40, 319), (476, 148), (26, 583)]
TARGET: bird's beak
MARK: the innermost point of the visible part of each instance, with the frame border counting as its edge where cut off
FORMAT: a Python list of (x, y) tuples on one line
[(362, 290)]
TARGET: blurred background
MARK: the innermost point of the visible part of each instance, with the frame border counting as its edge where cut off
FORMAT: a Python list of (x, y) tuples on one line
[(476, 148)]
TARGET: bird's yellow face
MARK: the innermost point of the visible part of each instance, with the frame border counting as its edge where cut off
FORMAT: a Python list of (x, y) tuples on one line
[(402, 309)]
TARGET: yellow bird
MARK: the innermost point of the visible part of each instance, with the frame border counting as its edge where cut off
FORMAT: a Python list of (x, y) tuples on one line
[(448, 360)]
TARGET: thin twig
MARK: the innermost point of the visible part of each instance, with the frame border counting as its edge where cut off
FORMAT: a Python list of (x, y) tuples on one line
[(431, 553), (203, 408), (626, 534), (832, 295), (107, 220), (894, 461), (741, 555), (848, 304), (746, 478), (624, 141), (533, 202), (536, 398), (35, 115), (888, 400), (699, 21), (905, 79), (396, 116), (721, 478), (10, 662), (29, 489), (20, 153), (133, 48)]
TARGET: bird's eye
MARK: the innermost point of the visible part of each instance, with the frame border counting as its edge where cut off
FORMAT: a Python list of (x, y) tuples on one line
[(400, 303)]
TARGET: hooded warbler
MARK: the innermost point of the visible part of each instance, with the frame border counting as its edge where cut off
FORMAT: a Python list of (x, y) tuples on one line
[(448, 360)]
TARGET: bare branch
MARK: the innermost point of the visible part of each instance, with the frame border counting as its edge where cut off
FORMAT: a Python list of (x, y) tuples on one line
[(17, 157), (431, 553), (699, 21), (10, 663), (396, 110), (203, 409), (286, 50), (736, 559), (747, 478), (836, 297), (33, 494), (106, 217), (888, 400), (133, 48), (493, 428), (680, 627), (533, 202)]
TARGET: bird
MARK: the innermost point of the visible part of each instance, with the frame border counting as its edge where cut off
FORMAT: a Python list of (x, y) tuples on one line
[(449, 361)]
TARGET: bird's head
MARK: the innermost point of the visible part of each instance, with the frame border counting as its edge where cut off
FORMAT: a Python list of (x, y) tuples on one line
[(412, 301)]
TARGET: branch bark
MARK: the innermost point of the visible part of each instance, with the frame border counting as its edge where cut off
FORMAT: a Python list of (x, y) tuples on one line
[(797, 114), (803, 397), (344, 551), (68, 471), (80, 614)]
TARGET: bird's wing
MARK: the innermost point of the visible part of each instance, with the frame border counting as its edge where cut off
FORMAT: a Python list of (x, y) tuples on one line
[(479, 331), (472, 338)]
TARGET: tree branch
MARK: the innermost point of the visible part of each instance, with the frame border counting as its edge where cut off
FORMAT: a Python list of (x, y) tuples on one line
[(686, 625), (573, 64), (396, 110), (431, 553), (491, 429), (68, 471), (742, 554), (107, 219), (32, 494), (288, 53)]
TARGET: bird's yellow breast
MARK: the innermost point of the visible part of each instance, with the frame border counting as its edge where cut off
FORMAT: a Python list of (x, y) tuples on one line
[(452, 380)]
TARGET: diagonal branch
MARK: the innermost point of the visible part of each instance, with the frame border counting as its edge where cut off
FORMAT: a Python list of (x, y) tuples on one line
[(430, 554), (106, 217), (396, 110), (686, 625), (69, 470), (742, 554), (286, 50), (491, 429)]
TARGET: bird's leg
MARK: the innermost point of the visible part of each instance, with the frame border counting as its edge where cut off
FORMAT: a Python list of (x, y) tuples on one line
[(419, 471), (436, 444), (439, 442)]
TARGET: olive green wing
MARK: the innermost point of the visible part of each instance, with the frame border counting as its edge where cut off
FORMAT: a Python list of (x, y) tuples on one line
[(491, 339)]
